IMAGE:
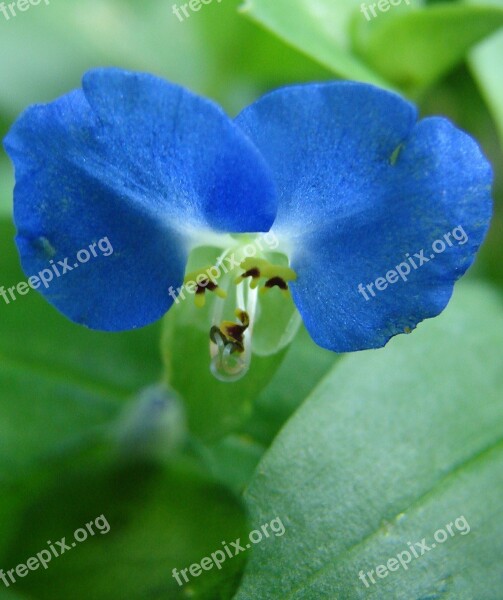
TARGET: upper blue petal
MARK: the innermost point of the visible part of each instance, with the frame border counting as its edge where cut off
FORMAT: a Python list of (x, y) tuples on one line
[(146, 164), (362, 188)]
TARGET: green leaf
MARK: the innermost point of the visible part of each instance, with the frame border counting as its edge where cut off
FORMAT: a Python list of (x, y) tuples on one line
[(159, 519), (34, 333), (143, 36), (305, 364), (319, 28), (413, 47), (241, 59), (485, 64), (6, 185), (232, 460), (392, 446), (59, 382), (8, 595), (58, 378)]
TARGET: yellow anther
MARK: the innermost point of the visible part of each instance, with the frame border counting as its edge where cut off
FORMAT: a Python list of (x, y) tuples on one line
[(253, 268), (275, 275), (199, 281)]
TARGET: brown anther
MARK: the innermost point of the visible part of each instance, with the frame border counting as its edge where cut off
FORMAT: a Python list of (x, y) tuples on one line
[(208, 285), (276, 281), (254, 273), (232, 333)]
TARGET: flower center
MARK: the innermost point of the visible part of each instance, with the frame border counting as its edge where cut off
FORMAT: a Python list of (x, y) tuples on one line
[(235, 284), (231, 342)]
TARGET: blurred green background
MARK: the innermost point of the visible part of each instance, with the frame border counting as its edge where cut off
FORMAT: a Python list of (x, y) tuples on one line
[(84, 433)]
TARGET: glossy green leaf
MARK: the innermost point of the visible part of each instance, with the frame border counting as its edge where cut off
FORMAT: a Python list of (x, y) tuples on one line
[(394, 445), (319, 28), (412, 47)]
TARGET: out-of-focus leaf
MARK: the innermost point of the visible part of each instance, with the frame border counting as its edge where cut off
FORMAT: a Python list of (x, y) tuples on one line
[(160, 519), (319, 28), (392, 446), (33, 333), (49, 47), (215, 52), (244, 61), (58, 381), (6, 185), (485, 63), (305, 364), (12, 595), (232, 460), (413, 47)]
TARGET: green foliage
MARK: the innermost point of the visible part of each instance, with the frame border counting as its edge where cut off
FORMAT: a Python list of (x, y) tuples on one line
[(485, 62), (393, 445), (305, 364), (320, 28), (81, 376), (156, 516), (414, 47), (357, 454)]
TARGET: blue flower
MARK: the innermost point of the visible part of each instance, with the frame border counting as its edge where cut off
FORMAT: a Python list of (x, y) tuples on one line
[(379, 214)]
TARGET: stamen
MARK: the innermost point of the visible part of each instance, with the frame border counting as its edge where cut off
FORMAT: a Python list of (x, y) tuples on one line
[(230, 346), (276, 275), (275, 282), (232, 333), (202, 282), (230, 341)]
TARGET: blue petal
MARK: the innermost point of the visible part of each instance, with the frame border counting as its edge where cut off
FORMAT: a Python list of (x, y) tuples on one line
[(147, 165), (362, 188)]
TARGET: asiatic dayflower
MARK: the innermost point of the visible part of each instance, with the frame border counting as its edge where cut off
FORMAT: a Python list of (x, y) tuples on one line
[(342, 173)]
